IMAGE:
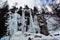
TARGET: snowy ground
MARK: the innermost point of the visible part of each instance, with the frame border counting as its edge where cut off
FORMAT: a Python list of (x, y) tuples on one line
[(20, 36)]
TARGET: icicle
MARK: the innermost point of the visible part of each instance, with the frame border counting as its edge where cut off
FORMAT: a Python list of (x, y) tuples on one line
[(10, 25), (23, 21), (31, 28), (13, 23)]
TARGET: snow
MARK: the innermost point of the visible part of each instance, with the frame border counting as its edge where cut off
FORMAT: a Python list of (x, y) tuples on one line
[(22, 37), (2, 3), (5, 38), (49, 8), (18, 36), (58, 1), (30, 3)]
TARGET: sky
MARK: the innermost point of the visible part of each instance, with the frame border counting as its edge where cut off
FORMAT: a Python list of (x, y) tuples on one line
[(30, 3), (45, 2)]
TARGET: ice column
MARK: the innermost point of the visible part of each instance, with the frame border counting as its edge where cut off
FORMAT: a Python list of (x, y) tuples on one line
[(13, 23), (31, 27), (23, 21)]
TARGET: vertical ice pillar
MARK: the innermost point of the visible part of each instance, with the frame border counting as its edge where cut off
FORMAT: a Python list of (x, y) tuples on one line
[(15, 22), (23, 21), (31, 27), (10, 21)]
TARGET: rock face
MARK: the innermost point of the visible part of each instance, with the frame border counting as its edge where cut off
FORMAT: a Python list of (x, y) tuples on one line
[(43, 25)]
